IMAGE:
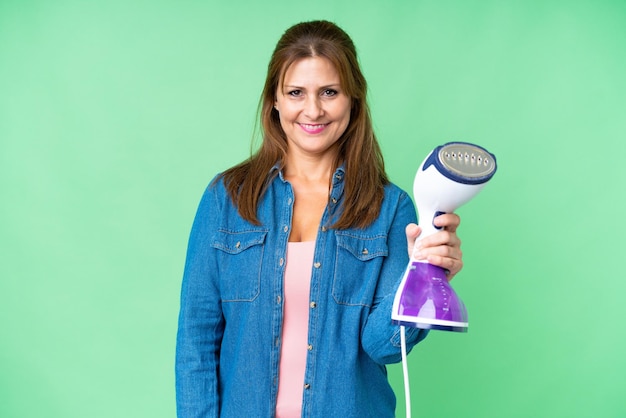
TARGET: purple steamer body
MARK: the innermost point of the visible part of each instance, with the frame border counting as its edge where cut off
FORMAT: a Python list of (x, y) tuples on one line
[(428, 295)]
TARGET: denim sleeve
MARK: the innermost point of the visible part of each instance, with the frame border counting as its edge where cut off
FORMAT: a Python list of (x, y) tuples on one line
[(200, 323), (381, 338)]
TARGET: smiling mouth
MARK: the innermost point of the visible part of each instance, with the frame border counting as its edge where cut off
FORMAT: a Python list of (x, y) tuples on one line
[(313, 128)]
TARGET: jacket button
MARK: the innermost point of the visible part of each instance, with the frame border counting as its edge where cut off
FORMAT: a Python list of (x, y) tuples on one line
[(309, 347), (238, 244), (365, 252), (334, 200), (313, 305), (317, 264), (281, 262), (285, 228), (307, 386)]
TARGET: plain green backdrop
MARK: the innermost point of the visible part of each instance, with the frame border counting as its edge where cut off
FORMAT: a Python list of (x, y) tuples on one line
[(114, 115)]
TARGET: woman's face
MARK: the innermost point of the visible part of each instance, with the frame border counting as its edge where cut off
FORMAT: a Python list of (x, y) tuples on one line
[(314, 111)]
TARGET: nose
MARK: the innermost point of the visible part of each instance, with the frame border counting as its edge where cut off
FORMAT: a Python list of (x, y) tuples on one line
[(313, 108)]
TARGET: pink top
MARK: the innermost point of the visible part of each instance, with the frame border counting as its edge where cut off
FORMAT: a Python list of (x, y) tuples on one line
[(295, 328)]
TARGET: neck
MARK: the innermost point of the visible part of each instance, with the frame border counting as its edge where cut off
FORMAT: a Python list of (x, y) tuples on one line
[(310, 169)]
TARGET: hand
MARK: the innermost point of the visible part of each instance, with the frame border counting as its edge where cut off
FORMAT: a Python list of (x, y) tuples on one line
[(441, 249)]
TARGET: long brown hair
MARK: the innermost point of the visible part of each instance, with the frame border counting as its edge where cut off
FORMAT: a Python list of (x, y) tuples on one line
[(365, 175)]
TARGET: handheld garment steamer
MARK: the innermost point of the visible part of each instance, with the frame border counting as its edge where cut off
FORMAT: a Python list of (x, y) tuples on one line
[(450, 176)]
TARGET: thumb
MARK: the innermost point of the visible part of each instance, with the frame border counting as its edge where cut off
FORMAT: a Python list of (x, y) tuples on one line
[(412, 232)]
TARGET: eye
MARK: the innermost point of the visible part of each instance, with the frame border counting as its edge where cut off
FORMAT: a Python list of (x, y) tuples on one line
[(295, 93), (329, 92)]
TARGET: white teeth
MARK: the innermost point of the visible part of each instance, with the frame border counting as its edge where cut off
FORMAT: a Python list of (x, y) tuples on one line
[(312, 127)]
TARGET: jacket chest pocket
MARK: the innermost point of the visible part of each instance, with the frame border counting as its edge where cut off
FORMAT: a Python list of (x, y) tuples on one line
[(358, 264), (240, 258)]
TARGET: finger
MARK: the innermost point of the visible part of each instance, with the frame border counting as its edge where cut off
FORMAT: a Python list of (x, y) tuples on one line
[(445, 238), (450, 258), (444, 251), (448, 221), (412, 232), (452, 265)]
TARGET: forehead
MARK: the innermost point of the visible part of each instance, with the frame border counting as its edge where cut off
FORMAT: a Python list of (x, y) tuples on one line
[(311, 70)]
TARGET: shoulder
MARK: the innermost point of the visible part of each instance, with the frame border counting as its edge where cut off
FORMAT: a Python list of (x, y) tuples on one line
[(392, 188), (396, 208), (217, 183), (215, 188), (214, 195), (397, 205), (395, 195)]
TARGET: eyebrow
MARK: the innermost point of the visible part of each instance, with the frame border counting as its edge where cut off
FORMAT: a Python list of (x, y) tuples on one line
[(329, 86)]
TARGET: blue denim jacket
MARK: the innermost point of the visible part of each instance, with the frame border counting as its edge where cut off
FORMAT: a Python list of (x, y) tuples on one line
[(231, 313)]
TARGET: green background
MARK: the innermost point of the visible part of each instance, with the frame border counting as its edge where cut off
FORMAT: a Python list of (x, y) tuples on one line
[(114, 115)]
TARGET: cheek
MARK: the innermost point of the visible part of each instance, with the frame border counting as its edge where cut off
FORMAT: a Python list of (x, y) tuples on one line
[(286, 110), (347, 112), (285, 118), (346, 108)]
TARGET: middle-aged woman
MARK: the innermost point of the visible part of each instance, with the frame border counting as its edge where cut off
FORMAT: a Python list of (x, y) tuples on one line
[(295, 254)]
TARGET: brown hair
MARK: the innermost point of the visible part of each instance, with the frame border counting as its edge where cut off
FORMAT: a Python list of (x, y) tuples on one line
[(365, 175)]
